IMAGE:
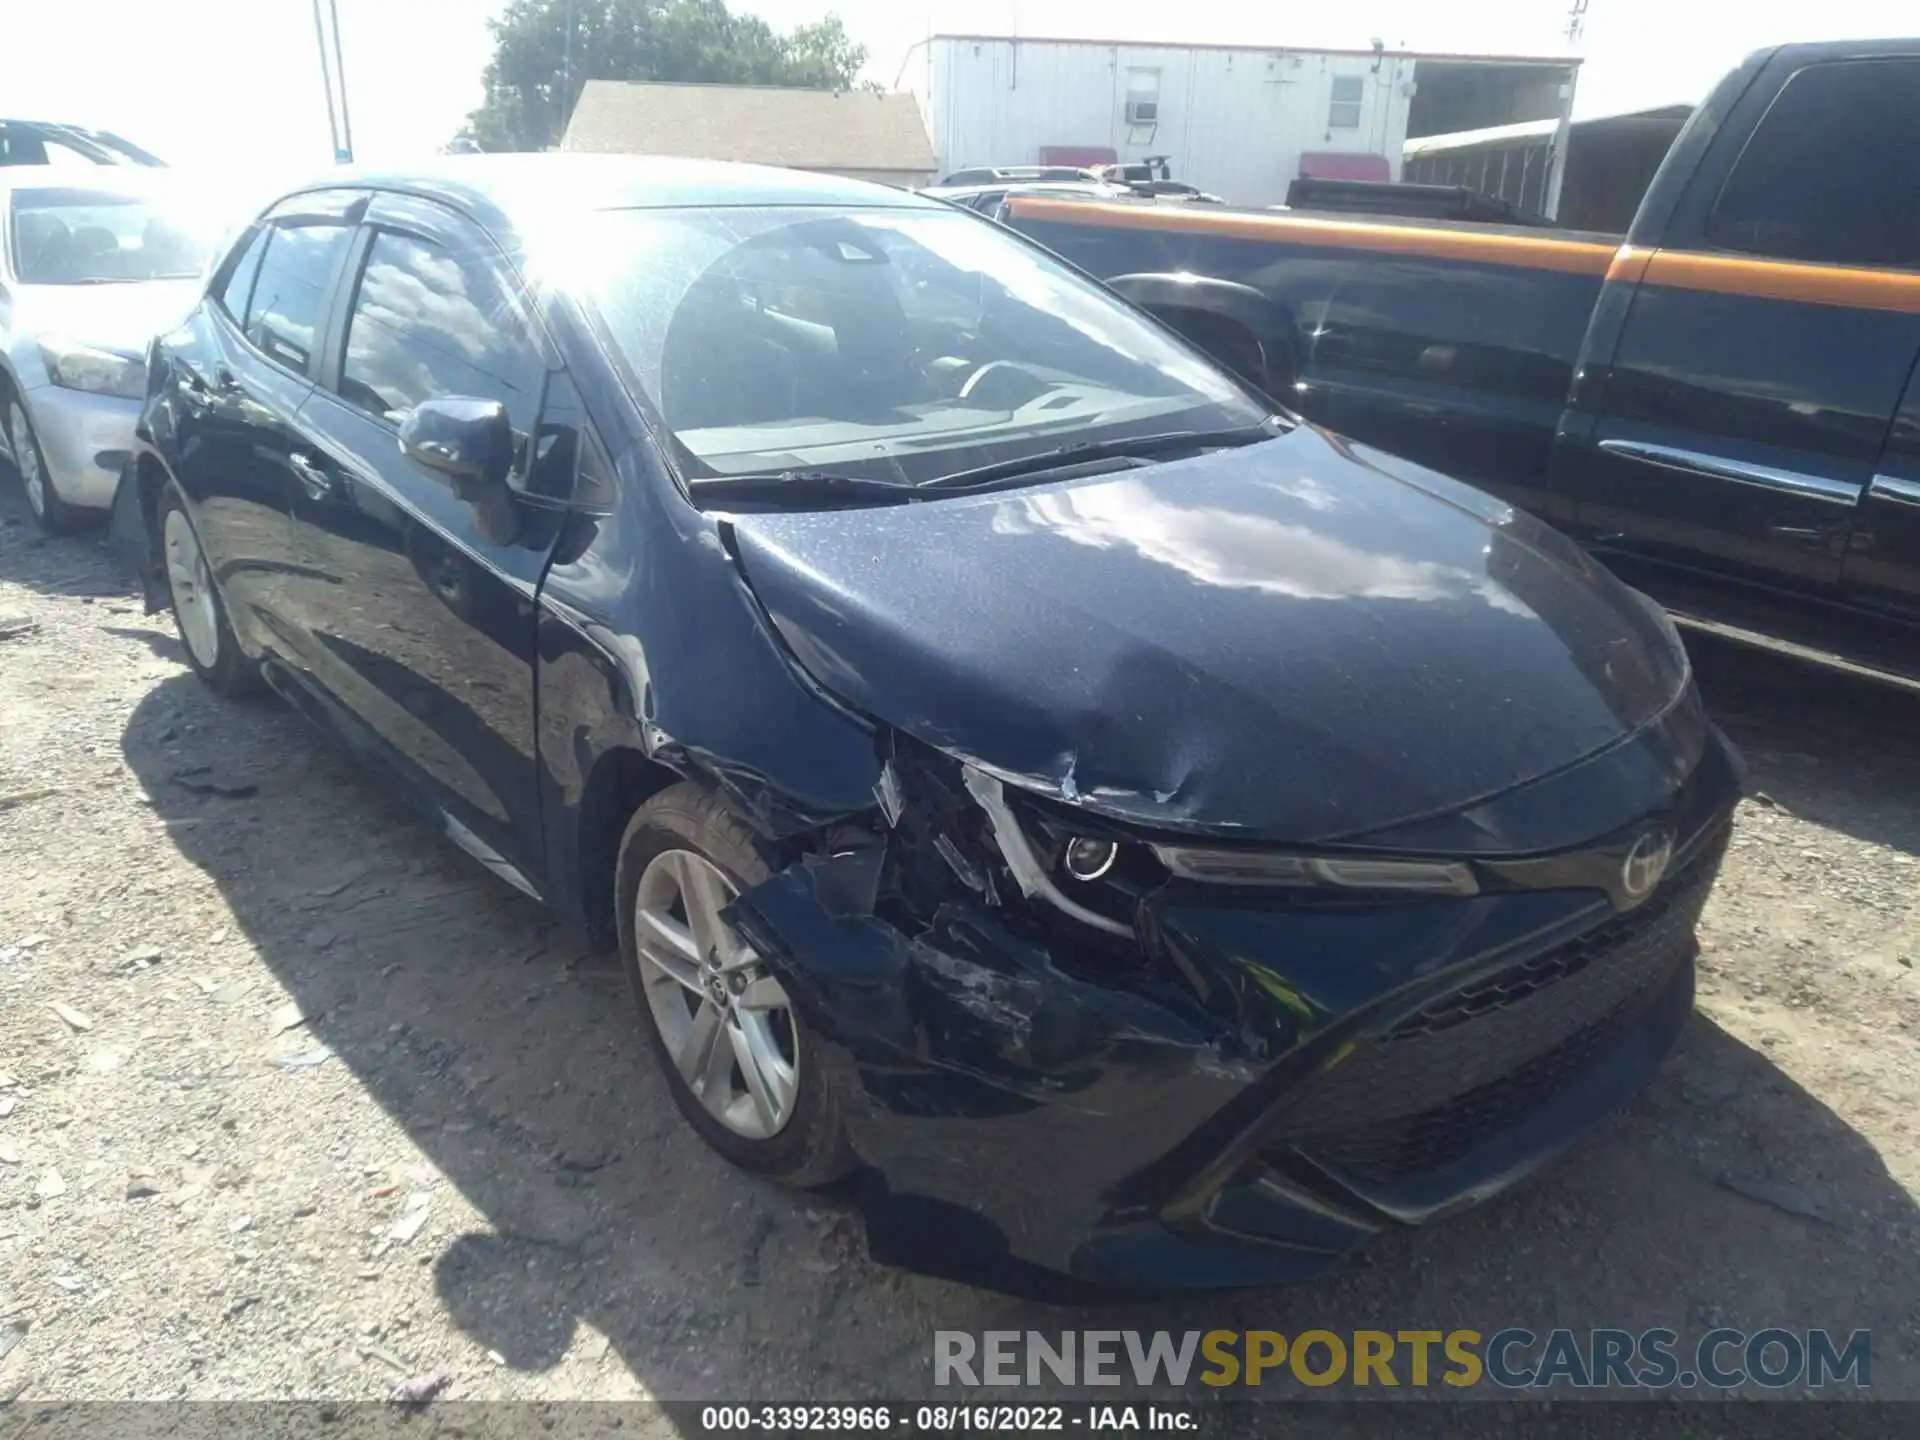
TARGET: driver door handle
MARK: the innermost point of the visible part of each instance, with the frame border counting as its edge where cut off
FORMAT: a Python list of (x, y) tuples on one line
[(315, 481)]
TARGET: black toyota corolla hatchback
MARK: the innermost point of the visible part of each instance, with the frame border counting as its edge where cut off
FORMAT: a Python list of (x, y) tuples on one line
[(1150, 840)]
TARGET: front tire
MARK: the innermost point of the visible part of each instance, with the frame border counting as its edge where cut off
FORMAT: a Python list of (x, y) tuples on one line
[(199, 612), (741, 1064), (54, 515)]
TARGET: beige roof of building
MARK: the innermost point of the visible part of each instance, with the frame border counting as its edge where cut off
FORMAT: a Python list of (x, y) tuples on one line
[(761, 124)]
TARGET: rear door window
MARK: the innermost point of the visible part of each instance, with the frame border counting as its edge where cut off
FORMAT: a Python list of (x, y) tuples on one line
[(291, 291), (1832, 173)]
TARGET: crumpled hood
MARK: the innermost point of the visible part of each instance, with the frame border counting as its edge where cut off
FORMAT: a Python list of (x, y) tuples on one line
[(120, 318), (1299, 640)]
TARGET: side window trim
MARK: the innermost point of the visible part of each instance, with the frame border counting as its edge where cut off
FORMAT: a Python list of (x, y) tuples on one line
[(330, 353), (426, 219), (335, 206), (253, 280), (237, 254), (590, 485)]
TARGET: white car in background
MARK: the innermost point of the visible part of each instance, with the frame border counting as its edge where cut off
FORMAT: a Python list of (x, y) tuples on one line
[(93, 265)]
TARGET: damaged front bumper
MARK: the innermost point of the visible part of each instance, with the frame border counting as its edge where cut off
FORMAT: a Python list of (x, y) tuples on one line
[(1241, 1088)]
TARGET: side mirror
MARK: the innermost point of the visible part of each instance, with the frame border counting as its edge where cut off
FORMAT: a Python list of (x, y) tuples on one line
[(468, 441)]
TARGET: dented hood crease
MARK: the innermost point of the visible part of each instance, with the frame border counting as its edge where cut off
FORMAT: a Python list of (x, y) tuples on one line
[(1297, 640)]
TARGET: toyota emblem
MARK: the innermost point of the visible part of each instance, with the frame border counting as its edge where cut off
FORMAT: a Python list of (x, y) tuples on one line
[(1646, 863)]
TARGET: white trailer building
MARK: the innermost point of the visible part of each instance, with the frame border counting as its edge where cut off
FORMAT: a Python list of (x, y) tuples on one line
[(1241, 122)]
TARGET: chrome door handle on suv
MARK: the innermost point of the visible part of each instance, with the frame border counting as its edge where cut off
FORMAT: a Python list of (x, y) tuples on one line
[(315, 481)]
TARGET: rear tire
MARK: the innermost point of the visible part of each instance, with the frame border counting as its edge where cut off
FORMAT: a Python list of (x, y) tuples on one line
[(665, 845), (54, 515), (199, 612)]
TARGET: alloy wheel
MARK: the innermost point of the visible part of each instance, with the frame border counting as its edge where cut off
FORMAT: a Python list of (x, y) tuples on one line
[(26, 458), (726, 1021), (191, 585)]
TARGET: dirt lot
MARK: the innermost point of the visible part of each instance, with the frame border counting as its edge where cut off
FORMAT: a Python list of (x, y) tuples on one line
[(296, 1101)]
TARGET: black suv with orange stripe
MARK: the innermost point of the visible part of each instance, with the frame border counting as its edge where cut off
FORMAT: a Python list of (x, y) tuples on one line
[(1725, 407)]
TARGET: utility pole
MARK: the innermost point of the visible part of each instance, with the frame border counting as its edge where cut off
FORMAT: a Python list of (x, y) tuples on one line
[(566, 75), (332, 73), (340, 76), (326, 81)]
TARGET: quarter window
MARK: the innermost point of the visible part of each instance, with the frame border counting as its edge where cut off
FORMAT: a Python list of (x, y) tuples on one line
[(426, 323), (1829, 174), (294, 275), (1343, 112)]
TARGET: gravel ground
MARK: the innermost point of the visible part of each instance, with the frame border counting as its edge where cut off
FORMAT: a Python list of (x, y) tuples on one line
[(295, 1101)]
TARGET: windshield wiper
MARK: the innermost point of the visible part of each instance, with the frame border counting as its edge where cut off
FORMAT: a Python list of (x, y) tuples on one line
[(799, 485), (1135, 447), (828, 485)]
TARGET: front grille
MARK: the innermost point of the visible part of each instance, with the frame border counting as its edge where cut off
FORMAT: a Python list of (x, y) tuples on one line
[(1673, 911), (1412, 1145), (1475, 1061)]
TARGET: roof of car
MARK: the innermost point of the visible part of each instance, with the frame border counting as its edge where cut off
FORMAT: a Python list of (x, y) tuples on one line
[(218, 196), (110, 179), (504, 187)]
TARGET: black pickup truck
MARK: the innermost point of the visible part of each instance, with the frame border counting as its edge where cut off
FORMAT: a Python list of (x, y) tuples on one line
[(1725, 407)]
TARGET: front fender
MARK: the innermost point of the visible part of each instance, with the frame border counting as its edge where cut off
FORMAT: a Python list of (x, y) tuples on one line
[(132, 534)]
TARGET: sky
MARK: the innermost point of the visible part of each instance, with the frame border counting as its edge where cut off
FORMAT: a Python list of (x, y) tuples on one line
[(236, 83)]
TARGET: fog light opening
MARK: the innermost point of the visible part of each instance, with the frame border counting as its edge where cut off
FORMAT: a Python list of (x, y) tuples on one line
[(1087, 860)]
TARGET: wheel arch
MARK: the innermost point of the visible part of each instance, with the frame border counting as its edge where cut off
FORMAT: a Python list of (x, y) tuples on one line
[(622, 779), (1205, 309), (150, 477), (10, 386)]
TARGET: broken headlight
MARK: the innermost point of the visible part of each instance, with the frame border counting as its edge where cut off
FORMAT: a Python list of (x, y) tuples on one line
[(1066, 862), (1087, 859), (1340, 872)]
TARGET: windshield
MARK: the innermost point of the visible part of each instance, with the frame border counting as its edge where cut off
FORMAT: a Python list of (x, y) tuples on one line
[(892, 344), (88, 237)]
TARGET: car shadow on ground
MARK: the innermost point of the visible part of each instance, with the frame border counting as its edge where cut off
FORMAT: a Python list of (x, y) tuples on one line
[(1726, 1194), (164, 644), (83, 574), (1831, 748)]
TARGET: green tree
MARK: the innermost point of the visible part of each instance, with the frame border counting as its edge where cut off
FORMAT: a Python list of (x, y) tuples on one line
[(537, 70)]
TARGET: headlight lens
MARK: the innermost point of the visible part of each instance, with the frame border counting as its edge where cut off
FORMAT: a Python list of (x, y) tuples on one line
[(1253, 867), (1087, 860), (99, 372)]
